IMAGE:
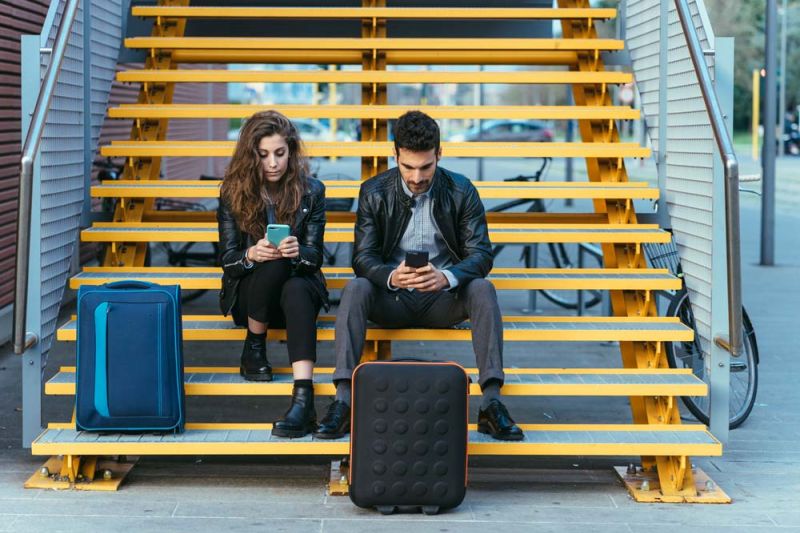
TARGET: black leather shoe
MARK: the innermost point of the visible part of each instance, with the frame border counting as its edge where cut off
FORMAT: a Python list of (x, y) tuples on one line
[(254, 365), (336, 423), (301, 418), (496, 421)]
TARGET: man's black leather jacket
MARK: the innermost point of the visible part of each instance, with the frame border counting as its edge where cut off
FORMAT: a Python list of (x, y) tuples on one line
[(308, 227), (384, 211)]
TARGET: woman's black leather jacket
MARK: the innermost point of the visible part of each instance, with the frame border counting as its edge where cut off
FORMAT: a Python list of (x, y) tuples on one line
[(308, 227)]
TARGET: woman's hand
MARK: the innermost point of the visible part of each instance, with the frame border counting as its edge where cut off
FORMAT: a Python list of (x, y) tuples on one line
[(289, 248), (263, 251)]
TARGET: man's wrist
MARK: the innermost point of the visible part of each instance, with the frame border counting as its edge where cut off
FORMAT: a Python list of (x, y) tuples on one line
[(389, 281), (452, 280)]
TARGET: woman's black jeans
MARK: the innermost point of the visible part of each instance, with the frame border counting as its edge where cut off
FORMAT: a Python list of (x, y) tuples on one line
[(269, 294)]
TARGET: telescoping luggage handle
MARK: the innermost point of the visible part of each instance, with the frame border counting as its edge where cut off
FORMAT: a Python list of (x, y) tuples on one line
[(130, 284)]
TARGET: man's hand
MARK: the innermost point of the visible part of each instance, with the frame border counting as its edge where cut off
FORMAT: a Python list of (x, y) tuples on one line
[(402, 275), (263, 251), (428, 279)]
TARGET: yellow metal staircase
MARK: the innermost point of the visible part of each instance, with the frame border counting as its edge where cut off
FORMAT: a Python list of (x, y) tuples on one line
[(656, 433)]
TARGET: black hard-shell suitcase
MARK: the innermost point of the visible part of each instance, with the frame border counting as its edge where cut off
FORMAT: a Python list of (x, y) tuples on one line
[(408, 444)]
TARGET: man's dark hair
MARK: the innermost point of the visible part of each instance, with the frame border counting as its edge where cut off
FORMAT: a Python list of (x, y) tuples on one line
[(417, 132)]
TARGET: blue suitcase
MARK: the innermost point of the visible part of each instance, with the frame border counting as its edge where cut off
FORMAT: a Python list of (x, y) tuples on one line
[(129, 375)]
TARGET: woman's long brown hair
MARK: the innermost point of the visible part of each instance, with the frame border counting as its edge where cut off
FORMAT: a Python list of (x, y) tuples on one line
[(244, 178)]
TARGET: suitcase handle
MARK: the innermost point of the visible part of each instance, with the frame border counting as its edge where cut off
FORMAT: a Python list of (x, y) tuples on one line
[(129, 284)]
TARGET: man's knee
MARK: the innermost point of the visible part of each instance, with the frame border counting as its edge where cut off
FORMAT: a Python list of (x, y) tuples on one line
[(481, 289), (357, 290)]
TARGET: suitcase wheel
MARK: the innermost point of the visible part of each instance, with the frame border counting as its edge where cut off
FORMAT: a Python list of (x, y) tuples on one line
[(430, 509), (385, 509)]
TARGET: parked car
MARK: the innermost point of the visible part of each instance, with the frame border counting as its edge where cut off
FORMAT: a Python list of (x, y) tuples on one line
[(317, 131), (791, 136), (507, 130)]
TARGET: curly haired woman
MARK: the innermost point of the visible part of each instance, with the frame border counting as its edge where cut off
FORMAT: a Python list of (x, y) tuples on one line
[(274, 285)]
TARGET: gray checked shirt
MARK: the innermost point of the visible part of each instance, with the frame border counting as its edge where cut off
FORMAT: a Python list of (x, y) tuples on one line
[(423, 235)]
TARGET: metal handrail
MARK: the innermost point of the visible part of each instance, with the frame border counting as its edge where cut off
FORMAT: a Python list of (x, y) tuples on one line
[(22, 339), (724, 143)]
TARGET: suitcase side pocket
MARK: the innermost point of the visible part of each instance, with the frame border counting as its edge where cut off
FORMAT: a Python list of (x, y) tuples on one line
[(101, 359)]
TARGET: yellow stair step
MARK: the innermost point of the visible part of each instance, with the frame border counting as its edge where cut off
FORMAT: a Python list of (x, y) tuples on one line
[(349, 189), (515, 329), (226, 381), (372, 76), (393, 57), (383, 149), (337, 277), (419, 13), (371, 43), (256, 439), (193, 111), (343, 232), (337, 217)]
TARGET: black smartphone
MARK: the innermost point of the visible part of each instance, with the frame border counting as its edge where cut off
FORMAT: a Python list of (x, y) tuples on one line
[(416, 259)]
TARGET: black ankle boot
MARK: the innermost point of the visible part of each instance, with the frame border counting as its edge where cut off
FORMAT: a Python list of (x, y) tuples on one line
[(301, 418), (254, 366)]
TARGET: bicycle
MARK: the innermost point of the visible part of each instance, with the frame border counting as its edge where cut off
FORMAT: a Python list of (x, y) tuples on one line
[(689, 354), (556, 255)]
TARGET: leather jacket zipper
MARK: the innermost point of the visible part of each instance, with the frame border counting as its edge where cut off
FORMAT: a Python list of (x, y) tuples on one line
[(433, 212)]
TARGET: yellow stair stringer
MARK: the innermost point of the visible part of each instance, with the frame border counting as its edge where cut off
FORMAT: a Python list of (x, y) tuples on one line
[(373, 93), (674, 473), (146, 168)]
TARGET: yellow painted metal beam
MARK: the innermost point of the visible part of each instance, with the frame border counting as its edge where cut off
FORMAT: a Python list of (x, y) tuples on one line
[(373, 76), (485, 45), (343, 232), (63, 383), (350, 189), (336, 217), (650, 329), (193, 111), (393, 57), (548, 443), (382, 149), (419, 13), (502, 278)]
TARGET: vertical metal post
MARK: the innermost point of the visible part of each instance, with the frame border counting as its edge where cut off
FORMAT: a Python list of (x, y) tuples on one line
[(88, 151), (32, 357), (532, 294), (570, 138), (782, 105), (480, 124), (718, 364), (210, 167), (663, 96), (768, 149)]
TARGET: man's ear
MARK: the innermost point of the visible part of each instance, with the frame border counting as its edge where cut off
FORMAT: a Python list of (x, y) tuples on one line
[(394, 152), (439, 154)]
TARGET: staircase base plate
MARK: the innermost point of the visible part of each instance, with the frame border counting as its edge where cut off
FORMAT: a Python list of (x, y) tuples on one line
[(706, 490)]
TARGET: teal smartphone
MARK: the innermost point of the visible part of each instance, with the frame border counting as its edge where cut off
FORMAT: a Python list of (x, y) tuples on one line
[(276, 233)]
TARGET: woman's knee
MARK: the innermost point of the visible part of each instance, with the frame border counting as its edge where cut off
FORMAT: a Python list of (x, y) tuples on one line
[(296, 290)]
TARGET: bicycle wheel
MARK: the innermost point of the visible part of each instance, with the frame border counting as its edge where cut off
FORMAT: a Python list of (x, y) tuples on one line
[(743, 370), (561, 256)]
